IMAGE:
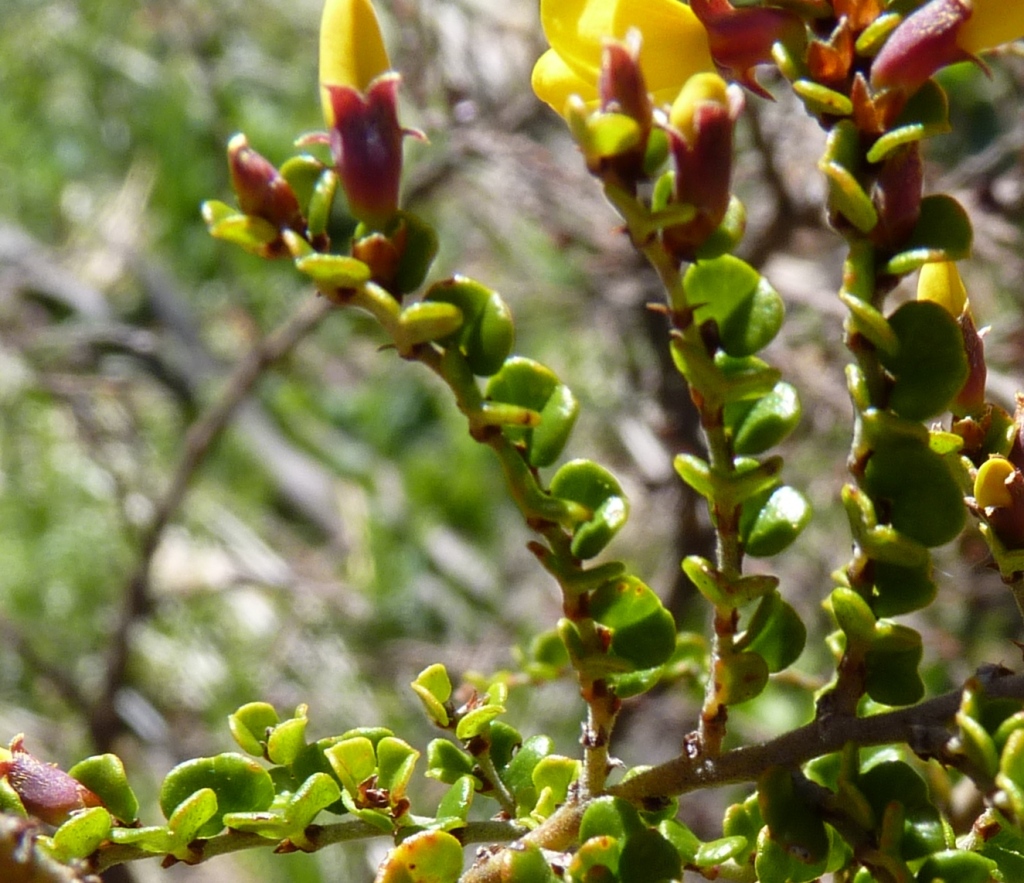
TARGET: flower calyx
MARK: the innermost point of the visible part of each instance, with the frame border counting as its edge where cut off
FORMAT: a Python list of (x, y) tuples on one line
[(700, 131), (742, 38)]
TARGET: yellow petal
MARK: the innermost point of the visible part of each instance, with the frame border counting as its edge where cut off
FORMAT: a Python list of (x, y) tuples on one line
[(575, 29), (675, 44), (992, 23), (554, 82), (940, 282), (352, 51)]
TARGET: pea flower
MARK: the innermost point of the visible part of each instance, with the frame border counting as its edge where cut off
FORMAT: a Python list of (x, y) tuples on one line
[(940, 33), (674, 46), (359, 93)]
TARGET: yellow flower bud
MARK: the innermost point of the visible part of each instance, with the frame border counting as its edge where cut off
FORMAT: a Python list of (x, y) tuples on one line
[(699, 89), (940, 282), (352, 51), (990, 490)]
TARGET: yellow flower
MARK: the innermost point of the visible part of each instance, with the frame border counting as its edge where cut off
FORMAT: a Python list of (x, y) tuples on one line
[(674, 46), (352, 51), (992, 23)]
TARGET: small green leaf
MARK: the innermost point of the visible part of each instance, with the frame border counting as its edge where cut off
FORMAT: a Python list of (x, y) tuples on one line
[(425, 321), (420, 244), (794, 824), (237, 783), (592, 486), (302, 173), (748, 312), (942, 233), (82, 834), (771, 522), (956, 866), (288, 739), (892, 677), (930, 363), (434, 689), (643, 631), (333, 270), (526, 864), (610, 817), (458, 799), (104, 775), (424, 857), (250, 726), (446, 763), (395, 763), (900, 590), (528, 384), (714, 852), (918, 489), (518, 773), (740, 677), (609, 134), (321, 201), (196, 816), (353, 761), (478, 721), (821, 100), (487, 334), (686, 843), (725, 591), (776, 633), (853, 615), (761, 424), (249, 233), (555, 773), (647, 856)]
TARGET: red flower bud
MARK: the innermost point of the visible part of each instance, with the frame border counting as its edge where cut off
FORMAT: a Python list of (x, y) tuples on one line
[(701, 140), (261, 190), (922, 44), (45, 791)]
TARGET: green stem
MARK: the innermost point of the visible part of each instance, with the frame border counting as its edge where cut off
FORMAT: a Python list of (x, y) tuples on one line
[(728, 546)]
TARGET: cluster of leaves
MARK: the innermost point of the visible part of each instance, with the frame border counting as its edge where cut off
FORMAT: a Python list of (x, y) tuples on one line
[(828, 799)]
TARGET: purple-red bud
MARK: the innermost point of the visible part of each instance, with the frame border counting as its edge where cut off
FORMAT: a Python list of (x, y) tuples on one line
[(46, 792), (922, 44), (700, 134), (262, 191)]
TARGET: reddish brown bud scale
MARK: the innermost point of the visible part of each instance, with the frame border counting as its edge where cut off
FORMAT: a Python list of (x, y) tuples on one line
[(46, 792)]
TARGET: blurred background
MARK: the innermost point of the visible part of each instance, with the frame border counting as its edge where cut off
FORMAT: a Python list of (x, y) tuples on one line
[(345, 532)]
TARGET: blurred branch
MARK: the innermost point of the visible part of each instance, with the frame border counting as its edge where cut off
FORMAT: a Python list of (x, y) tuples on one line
[(201, 436), (58, 678)]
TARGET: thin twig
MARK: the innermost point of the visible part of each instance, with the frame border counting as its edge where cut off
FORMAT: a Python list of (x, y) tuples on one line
[(199, 441)]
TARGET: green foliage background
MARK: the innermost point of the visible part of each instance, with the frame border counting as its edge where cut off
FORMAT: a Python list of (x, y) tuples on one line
[(346, 532)]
